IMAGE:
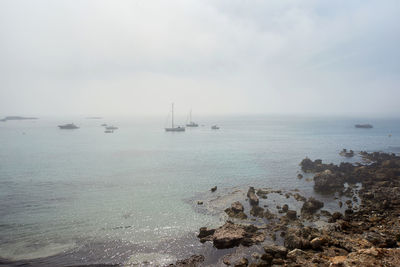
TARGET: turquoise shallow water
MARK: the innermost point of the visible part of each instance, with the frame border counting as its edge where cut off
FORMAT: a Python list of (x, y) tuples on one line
[(123, 195)]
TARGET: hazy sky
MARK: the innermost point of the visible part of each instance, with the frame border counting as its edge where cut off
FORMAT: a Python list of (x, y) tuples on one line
[(99, 57)]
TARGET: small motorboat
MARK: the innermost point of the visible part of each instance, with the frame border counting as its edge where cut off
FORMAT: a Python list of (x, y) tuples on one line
[(68, 126), (108, 131), (214, 127), (111, 128)]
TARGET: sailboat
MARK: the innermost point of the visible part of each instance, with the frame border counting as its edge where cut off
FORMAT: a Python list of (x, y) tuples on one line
[(191, 123), (174, 128)]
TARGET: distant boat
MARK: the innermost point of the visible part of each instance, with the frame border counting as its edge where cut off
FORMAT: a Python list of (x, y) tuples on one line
[(365, 126), (214, 127), (191, 123), (104, 125), (174, 128), (68, 126), (111, 128), (108, 131)]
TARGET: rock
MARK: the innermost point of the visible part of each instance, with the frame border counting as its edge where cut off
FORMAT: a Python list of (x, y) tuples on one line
[(285, 208), (213, 189), (327, 181), (253, 199), (291, 214), (335, 216), (317, 243), (205, 234), (237, 206), (311, 206), (300, 176), (236, 211), (295, 253), (276, 251), (193, 261), (299, 197), (230, 235), (345, 153), (257, 211), (243, 262), (199, 202)]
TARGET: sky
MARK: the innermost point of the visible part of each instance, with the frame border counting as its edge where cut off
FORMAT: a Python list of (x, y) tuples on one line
[(213, 56)]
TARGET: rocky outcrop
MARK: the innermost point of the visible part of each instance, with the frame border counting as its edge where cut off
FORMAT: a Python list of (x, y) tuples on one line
[(253, 199), (230, 235), (347, 154), (236, 211), (311, 206)]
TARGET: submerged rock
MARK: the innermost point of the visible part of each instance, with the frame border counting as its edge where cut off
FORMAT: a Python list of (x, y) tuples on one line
[(311, 206), (193, 261)]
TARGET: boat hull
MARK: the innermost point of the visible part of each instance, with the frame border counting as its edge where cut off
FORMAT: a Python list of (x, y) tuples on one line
[(176, 129)]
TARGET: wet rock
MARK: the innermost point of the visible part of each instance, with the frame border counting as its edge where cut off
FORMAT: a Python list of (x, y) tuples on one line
[(311, 206), (291, 214), (300, 176), (236, 211), (295, 253), (253, 199), (243, 262), (327, 181), (285, 208), (199, 202), (213, 189), (276, 251), (335, 216), (299, 197), (205, 234), (257, 211), (347, 154), (193, 261)]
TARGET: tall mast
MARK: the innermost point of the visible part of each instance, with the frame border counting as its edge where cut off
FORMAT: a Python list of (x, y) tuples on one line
[(190, 116), (172, 115)]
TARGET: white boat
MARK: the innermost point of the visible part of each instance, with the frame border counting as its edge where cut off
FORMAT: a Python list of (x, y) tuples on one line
[(214, 127), (174, 128), (191, 123)]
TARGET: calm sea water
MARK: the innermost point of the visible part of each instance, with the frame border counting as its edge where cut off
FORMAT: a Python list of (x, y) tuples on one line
[(83, 196)]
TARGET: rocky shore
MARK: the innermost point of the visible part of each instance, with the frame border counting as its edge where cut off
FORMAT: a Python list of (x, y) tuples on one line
[(363, 231)]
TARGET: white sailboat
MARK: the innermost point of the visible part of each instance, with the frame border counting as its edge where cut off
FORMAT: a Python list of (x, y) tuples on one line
[(174, 128), (191, 123)]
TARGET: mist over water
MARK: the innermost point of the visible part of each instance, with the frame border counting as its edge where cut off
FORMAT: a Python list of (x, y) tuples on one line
[(121, 196)]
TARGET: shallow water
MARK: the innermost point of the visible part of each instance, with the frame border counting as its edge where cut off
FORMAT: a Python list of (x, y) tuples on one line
[(84, 196)]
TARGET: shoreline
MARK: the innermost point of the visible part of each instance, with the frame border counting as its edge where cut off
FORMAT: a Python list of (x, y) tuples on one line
[(365, 234)]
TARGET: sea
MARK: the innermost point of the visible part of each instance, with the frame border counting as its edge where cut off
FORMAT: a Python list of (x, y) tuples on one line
[(83, 196)]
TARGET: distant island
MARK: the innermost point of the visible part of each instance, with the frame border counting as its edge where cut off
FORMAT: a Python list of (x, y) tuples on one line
[(94, 118), (365, 126), (17, 118)]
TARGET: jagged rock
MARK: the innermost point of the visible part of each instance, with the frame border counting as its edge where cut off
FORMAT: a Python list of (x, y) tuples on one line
[(311, 206), (257, 211), (236, 211), (276, 251), (193, 261), (317, 242), (243, 262), (291, 214), (299, 197), (230, 235), (253, 199), (346, 153), (199, 202), (295, 253), (285, 208), (213, 189), (327, 181)]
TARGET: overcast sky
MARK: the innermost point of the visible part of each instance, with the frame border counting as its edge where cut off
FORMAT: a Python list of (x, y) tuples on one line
[(135, 57)]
